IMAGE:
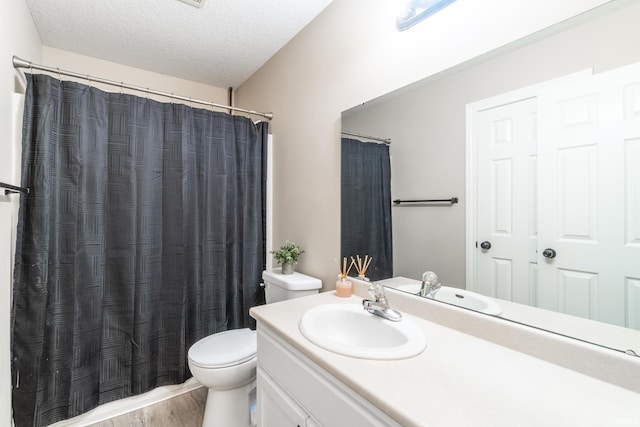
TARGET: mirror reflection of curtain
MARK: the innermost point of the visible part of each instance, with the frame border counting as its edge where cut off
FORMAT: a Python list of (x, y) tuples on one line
[(366, 205), (143, 232)]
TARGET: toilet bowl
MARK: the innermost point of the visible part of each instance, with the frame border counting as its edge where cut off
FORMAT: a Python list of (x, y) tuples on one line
[(226, 362)]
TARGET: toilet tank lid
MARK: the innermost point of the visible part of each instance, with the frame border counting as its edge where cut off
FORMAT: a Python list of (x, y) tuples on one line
[(293, 282), (223, 349)]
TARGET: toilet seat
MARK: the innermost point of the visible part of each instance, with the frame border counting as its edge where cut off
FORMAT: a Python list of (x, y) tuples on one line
[(224, 349)]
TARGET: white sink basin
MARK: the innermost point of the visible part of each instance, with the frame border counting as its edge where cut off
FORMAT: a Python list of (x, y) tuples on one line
[(460, 297), (349, 330)]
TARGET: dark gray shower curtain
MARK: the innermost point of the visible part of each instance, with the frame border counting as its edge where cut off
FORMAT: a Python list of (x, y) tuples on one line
[(143, 232), (366, 205)]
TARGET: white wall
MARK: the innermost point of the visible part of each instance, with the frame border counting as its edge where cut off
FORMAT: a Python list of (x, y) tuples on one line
[(19, 37), (350, 54), (427, 126), (135, 76)]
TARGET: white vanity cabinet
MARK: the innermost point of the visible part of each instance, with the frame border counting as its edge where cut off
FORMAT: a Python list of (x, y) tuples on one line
[(295, 391)]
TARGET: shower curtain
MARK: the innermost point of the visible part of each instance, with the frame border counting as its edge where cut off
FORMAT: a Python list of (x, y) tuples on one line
[(366, 205), (143, 232)]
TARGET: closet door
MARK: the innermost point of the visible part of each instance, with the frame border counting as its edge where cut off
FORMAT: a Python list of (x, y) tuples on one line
[(506, 202), (589, 197)]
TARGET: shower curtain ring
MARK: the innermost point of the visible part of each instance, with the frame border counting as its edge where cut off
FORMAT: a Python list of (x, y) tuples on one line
[(89, 79), (121, 87), (58, 73)]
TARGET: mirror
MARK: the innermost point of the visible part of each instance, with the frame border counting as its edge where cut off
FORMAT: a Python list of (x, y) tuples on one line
[(427, 126)]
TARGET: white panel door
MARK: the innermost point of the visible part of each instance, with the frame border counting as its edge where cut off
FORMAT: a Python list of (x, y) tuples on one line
[(506, 202), (589, 197)]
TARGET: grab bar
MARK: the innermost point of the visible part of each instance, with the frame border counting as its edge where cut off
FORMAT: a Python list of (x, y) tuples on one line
[(451, 200), (11, 189)]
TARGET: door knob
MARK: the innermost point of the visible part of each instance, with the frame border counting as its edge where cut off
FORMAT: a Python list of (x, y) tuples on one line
[(485, 245), (549, 253)]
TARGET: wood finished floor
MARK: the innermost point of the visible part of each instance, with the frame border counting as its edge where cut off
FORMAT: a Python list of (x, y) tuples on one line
[(185, 410)]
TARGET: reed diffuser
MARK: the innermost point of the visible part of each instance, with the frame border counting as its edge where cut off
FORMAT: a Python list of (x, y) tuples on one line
[(361, 265), (344, 287)]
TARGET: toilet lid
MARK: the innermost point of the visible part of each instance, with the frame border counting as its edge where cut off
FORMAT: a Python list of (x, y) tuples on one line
[(226, 348)]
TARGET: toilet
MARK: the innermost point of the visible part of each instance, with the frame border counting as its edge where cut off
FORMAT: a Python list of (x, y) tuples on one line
[(226, 362)]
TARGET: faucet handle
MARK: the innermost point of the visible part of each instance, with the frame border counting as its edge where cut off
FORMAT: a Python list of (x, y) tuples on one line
[(430, 277), (379, 306), (376, 291)]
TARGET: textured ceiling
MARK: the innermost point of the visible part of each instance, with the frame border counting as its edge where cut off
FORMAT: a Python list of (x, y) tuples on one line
[(221, 44)]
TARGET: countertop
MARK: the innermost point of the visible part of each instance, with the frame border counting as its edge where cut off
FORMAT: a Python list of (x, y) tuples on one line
[(461, 380), (604, 334)]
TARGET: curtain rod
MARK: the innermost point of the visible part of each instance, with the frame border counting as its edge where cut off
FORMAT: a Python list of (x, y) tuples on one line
[(373, 138), (21, 63)]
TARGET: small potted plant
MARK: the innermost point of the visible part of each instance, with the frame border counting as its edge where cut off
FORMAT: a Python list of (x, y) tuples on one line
[(288, 255)]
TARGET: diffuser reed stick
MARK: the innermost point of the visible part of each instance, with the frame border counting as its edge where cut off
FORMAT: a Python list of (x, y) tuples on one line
[(361, 265), (343, 271)]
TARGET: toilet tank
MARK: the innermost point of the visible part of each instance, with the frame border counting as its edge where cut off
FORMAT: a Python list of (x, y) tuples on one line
[(280, 287)]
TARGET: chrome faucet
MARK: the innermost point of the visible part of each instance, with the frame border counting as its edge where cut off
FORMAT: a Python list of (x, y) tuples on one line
[(379, 306), (430, 284)]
